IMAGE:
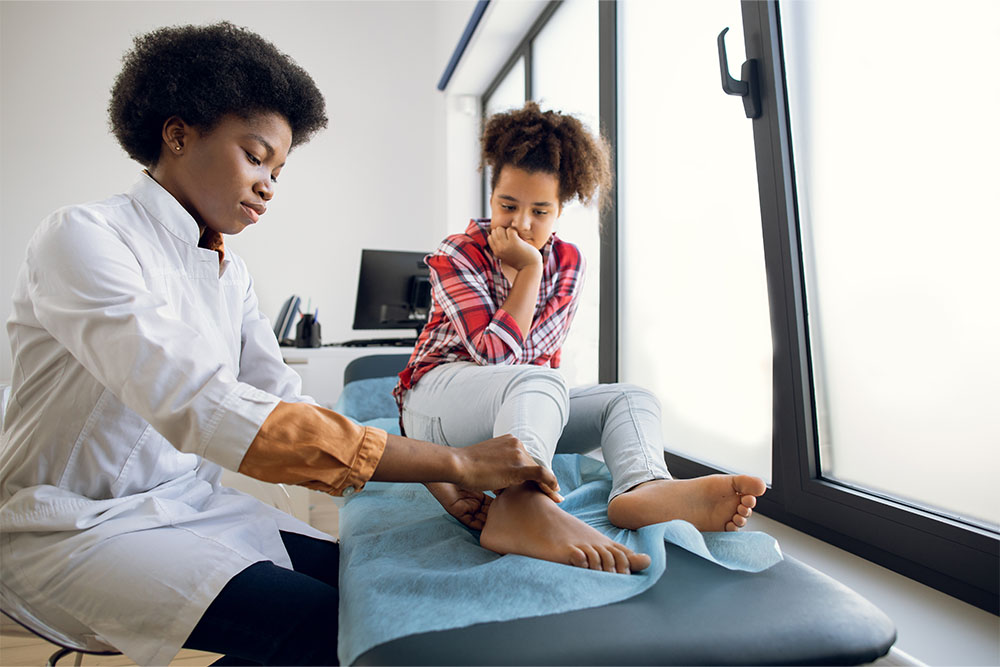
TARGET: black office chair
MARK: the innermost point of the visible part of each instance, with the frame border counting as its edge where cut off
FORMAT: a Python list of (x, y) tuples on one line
[(66, 644), (17, 612), (374, 366)]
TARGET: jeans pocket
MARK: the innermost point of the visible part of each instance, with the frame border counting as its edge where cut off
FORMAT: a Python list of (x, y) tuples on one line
[(423, 427)]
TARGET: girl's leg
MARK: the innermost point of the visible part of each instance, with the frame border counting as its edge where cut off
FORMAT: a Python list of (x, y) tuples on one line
[(269, 615), (625, 421), (462, 403)]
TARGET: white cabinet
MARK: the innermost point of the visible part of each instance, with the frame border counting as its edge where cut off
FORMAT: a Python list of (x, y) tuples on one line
[(322, 373)]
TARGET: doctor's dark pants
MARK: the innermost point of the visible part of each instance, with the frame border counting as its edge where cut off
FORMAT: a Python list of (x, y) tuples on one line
[(270, 615)]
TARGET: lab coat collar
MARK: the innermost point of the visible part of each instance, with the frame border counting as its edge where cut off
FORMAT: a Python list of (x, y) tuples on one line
[(164, 208)]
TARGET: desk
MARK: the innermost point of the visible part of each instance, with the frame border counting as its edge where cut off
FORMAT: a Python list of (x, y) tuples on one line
[(322, 368), (322, 373)]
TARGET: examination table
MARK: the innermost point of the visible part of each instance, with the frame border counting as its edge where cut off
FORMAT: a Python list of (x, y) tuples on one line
[(697, 613)]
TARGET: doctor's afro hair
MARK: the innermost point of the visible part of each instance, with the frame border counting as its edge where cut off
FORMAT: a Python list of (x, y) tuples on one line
[(550, 142), (202, 73)]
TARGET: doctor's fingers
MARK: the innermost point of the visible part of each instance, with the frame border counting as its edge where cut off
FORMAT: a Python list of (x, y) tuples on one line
[(503, 461)]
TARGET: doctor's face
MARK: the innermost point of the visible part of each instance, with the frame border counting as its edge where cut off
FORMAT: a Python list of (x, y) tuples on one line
[(225, 177)]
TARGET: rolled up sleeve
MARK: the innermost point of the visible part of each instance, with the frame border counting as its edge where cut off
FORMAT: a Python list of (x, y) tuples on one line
[(314, 447)]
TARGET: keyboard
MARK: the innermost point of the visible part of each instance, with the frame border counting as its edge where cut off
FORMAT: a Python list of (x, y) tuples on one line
[(377, 342)]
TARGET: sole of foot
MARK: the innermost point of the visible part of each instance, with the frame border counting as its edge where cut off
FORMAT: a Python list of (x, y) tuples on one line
[(711, 503)]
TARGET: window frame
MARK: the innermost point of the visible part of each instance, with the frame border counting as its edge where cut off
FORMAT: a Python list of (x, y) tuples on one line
[(960, 559)]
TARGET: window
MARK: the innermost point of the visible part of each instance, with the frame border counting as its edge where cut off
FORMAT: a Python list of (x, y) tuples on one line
[(899, 258), (869, 357), (693, 323), (507, 93), (817, 257)]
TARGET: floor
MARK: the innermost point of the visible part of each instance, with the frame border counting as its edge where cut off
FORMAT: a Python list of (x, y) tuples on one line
[(20, 648)]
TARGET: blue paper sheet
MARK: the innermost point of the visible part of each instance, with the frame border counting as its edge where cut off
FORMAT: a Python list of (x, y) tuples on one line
[(370, 400), (407, 567)]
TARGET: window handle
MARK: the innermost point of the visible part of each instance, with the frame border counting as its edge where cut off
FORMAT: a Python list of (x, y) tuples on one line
[(747, 86)]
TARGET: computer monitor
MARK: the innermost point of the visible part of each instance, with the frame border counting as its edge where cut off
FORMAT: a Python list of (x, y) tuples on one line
[(394, 290)]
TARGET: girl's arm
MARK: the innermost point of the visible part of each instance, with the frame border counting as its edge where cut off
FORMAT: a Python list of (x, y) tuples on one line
[(527, 261), (553, 322), (460, 275)]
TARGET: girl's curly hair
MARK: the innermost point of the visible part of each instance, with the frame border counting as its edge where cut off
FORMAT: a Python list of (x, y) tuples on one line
[(551, 142), (202, 73)]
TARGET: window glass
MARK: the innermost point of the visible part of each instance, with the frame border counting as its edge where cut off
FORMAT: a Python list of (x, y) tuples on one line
[(565, 78), (895, 137), (509, 94), (693, 321)]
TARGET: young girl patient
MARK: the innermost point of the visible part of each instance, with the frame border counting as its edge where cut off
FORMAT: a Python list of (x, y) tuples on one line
[(504, 295)]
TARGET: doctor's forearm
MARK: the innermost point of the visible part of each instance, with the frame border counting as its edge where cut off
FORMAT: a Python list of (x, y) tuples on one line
[(493, 464), (409, 460)]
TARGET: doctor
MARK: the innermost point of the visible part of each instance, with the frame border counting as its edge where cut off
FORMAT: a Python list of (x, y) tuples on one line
[(142, 366)]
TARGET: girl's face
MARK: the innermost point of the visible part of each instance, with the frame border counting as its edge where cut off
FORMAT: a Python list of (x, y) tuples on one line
[(225, 177), (527, 202)]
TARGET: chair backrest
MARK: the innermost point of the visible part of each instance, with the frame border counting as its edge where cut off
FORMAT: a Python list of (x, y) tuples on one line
[(374, 366)]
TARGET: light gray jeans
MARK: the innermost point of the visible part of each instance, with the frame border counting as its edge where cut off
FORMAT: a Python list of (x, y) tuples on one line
[(462, 403)]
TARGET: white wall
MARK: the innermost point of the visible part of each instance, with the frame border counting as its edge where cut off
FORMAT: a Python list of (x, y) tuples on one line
[(372, 179)]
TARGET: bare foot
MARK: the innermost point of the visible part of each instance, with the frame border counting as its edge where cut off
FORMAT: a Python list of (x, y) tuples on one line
[(711, 503), (523, 520)]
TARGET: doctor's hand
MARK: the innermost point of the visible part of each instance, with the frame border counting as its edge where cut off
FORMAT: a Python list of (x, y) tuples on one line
[(502, 462), (494, 464), (469, 507), (512, 249)]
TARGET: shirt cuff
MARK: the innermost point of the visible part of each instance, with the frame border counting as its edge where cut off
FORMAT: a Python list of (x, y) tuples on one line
[(505, 327), (314, 447)]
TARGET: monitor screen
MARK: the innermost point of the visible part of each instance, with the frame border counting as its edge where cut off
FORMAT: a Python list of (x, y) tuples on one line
[(394, 290)]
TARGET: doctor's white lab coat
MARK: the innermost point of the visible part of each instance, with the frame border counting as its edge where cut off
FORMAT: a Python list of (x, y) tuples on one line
[(140, 366)]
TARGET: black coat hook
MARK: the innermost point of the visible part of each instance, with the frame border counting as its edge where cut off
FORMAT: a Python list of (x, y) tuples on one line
[(747, 87)]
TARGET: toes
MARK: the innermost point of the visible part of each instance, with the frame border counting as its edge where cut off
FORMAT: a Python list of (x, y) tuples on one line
[(730, 527), (748, 501), (747, 484), (577, 558), (621, 559), (744, 510), (593, 558), (607, 558), (637, 562), (738, 521)]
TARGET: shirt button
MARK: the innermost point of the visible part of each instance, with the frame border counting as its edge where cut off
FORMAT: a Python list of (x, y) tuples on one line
[(348, 492)]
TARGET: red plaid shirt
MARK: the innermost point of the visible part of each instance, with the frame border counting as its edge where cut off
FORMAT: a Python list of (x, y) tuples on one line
[(465, 321)]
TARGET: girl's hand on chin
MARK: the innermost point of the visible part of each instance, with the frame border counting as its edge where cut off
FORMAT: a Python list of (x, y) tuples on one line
[(512, 249)]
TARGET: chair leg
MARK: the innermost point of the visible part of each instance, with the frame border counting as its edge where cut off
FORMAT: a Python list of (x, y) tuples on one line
[(79, 659), (59, 655)]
